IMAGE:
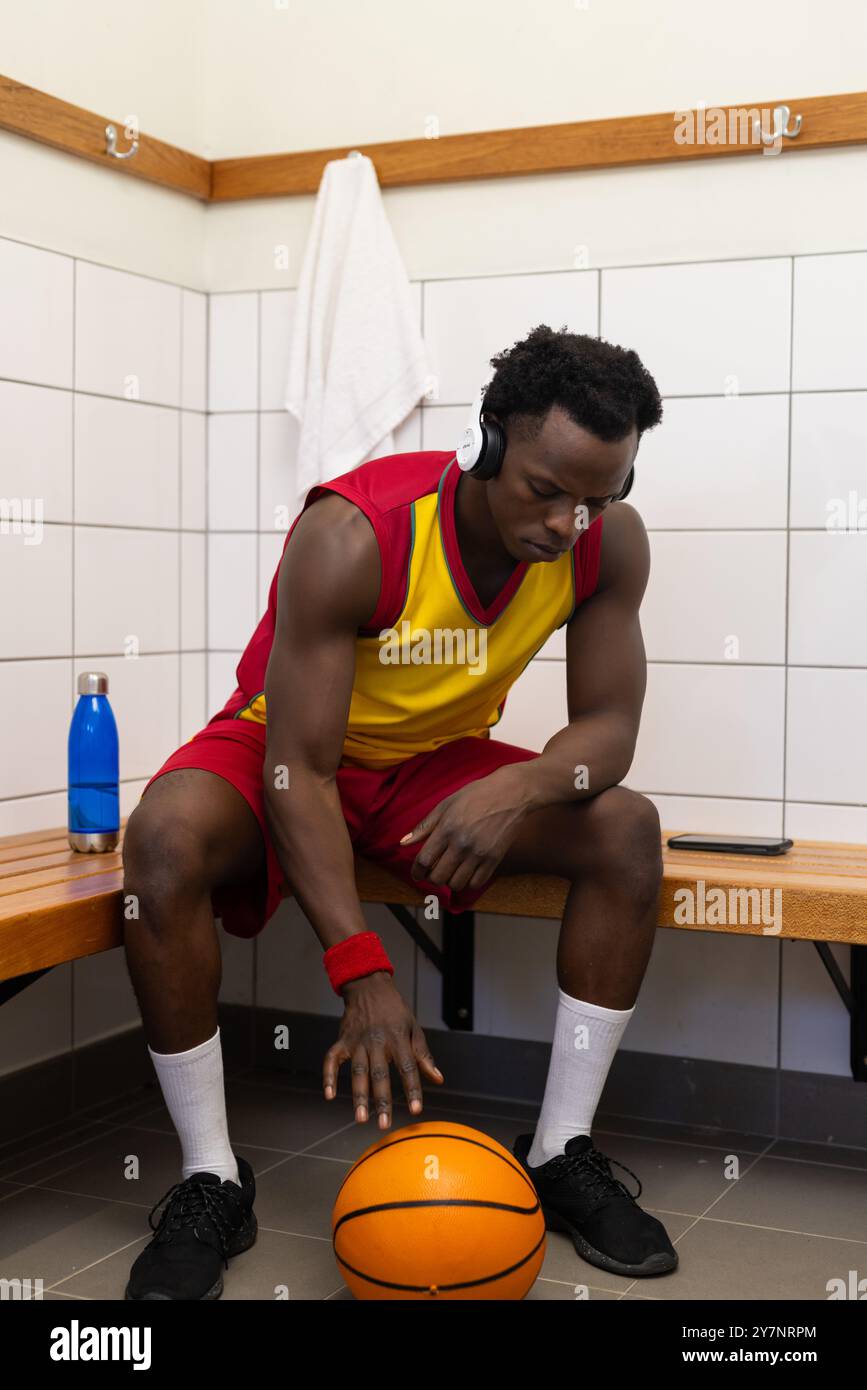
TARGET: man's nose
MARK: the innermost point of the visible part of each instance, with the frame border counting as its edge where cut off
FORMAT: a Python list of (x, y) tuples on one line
[(561, 522)]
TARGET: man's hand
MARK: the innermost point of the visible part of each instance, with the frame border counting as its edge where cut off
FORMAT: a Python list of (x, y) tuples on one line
[(377, 1028), (470, 831)]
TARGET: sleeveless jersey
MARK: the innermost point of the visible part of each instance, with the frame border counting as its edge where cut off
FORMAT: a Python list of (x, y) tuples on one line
[(434, 663)]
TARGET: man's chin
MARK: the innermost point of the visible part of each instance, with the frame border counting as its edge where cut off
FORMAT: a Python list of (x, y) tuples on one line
[(535, 554)]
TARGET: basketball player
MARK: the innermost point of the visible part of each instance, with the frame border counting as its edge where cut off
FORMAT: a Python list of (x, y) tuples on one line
[(350, 729)]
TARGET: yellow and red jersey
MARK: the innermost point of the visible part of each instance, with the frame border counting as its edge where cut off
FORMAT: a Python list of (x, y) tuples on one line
[(434, 664)]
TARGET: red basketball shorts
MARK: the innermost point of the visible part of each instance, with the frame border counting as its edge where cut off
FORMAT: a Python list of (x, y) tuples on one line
[(379, 806)]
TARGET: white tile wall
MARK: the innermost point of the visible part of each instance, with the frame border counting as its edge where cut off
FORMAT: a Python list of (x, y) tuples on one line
[(830, 347), (94, 365), (37, 445), (279, 502), (233, 352), (232, 607), (127, 335), (193, 471), (706, 581), (194, 350), (828, 598), (36, 292), (466, 321), (277, 315), (826, 757), (232, 444), (829, 459), (126, 590), (715, 462), (127, 463), (688, 323), (194, 703), (39, 621), (712, 731)]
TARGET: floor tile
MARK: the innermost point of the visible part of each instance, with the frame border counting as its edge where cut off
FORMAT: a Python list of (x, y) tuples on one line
[(795, 1219), (684, 1134), (811, 1198), (350, 1143), (270, 1117), (724, 1261), (98, 1166), (305, 1268), (674, 1177), (297, 1196), (49, 1235), (837, 1155)]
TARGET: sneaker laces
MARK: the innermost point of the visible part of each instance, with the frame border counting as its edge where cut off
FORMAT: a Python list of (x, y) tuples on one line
[(186, 1203), (595, 1168)]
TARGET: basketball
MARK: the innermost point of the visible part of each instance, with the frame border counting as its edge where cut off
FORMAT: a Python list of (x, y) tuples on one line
[(438, 1211)]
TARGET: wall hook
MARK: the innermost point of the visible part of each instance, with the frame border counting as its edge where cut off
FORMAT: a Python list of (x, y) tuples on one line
[(780, 127), (111, 144), (354, 154)]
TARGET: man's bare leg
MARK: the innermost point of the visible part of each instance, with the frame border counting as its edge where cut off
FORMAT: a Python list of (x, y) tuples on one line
[(609, 847), (191, 832)]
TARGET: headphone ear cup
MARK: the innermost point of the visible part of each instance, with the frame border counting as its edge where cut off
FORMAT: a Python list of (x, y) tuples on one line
[(627, 486), (492, 451)]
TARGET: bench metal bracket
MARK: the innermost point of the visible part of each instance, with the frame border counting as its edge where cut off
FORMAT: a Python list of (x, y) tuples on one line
[(454, 960), (9, 988), (855, 999)]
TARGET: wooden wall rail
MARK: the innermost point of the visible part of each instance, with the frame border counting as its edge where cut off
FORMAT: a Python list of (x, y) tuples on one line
[(26, 111), (827, 121)]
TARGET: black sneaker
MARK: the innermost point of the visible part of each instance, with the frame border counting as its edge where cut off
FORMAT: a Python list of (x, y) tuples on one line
[(202, 1223), (580, 1196)]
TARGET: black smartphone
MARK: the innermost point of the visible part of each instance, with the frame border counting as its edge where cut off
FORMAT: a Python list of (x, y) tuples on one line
[(729, 844)]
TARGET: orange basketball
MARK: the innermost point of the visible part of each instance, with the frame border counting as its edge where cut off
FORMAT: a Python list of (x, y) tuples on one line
[(438, 1210)]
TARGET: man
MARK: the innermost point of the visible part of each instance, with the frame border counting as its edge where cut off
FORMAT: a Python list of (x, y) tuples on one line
[(339, 737)]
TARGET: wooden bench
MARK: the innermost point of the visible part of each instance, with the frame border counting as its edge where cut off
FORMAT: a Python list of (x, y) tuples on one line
[(57, 906)]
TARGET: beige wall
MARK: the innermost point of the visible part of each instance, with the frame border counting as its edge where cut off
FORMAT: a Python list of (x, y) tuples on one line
[(227, 77)]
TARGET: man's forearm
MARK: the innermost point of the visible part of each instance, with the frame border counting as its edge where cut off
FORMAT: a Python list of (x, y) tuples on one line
[(312, 843), (578, 761)]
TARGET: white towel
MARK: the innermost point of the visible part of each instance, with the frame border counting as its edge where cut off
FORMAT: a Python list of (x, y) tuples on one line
[(357, 363)]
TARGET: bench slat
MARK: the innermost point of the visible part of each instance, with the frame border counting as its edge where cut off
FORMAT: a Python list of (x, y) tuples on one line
[(56, 905)]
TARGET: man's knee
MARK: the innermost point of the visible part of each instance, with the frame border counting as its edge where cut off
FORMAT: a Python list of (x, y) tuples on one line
[(627, 839), (164, 858)]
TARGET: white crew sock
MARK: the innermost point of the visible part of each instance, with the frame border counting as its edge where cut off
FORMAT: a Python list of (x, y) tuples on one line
[(192, 1087), (586, 1037)]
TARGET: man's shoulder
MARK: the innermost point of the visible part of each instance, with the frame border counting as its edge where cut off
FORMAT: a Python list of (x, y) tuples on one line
[(392, 480)]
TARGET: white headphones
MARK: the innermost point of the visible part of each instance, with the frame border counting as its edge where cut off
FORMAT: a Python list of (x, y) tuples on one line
[(482, 446)]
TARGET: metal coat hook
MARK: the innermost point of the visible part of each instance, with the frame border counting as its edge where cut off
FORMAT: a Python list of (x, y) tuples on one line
[(111, 144), (354, 154), (780, 127)]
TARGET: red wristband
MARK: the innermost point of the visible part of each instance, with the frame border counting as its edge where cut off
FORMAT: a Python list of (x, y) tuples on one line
[(358, 955)]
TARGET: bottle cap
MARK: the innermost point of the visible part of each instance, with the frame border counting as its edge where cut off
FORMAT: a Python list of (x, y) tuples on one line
[(93, 683)]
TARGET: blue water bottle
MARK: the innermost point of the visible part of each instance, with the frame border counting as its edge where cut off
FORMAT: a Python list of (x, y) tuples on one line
[(94, 791)]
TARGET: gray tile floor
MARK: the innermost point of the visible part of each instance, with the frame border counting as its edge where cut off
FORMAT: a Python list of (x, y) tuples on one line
[(751, 1218)]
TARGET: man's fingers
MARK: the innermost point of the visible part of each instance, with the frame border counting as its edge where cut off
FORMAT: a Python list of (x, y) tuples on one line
[(381, 1085), (335, 1055), (406, 1065), (427, 823), (425, 1056), (464, 872), (438, 848), (482, 874), (360, 1073)]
